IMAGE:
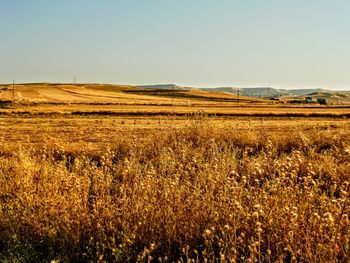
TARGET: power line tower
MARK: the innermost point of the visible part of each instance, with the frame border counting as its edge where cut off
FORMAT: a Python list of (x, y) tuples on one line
[(238, 95)]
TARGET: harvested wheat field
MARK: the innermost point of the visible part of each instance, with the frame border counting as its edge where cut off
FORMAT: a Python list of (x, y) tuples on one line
[(174, 131), (101, 175)]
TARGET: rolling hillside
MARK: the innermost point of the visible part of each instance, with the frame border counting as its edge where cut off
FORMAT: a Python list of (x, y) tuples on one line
[(158, 94), (107, 93), (268, 92), (334, 97)]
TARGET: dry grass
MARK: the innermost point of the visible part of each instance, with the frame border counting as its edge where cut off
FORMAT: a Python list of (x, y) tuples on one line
[(195, 194), (133, 108)]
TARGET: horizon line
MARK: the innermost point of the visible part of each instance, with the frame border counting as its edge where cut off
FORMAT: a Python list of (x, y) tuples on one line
[(178, 85)]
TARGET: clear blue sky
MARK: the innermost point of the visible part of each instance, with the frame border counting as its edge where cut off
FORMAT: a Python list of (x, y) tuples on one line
[(279, 43)]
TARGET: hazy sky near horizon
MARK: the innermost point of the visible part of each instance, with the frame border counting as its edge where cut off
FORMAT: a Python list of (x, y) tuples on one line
[(206, 43)]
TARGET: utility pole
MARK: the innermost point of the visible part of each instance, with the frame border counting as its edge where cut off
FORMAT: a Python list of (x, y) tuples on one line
[(13, 89), (337, 97), (237, 95)]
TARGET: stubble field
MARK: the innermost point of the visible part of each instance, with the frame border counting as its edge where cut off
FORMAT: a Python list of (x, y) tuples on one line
[(87, 183)]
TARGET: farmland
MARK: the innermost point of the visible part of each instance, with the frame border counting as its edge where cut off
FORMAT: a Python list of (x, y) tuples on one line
[(111, 173)]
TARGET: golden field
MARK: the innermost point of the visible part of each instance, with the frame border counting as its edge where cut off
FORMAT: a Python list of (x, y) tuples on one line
[(166, 179)]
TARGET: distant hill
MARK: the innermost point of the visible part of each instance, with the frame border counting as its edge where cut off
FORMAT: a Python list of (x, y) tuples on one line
[(163, 86), (111, 93), (258, 92), (266, 92), (303, 92), (342, 97), (115, 93)]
